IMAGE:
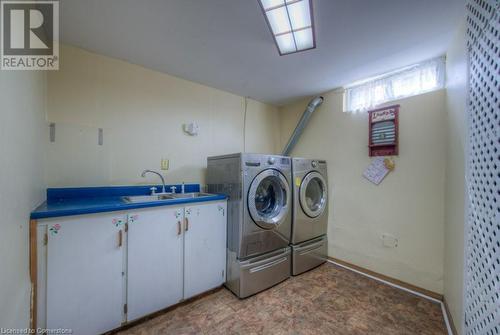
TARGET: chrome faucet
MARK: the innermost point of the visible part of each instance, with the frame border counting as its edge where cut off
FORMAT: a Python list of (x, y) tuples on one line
[(143, 175)]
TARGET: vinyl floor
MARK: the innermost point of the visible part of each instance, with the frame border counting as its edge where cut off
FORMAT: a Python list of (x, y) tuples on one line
[(326, 300)]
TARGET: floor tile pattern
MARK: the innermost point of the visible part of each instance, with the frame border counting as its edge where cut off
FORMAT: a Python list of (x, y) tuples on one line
[(326, 300)]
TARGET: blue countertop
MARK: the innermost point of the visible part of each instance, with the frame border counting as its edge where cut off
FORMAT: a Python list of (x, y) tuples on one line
[(88, 200)]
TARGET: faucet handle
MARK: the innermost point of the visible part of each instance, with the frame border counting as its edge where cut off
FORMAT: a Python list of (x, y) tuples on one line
[(153, 190), (172, 189)]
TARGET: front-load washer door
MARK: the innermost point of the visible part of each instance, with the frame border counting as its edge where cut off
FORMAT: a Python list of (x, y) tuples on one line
[(313, 194), (269, 199)]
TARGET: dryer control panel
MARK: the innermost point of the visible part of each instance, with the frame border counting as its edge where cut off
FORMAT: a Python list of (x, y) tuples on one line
[(305, 165)]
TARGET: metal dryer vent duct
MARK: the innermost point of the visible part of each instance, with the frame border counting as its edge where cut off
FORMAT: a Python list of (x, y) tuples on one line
[(311, 107)]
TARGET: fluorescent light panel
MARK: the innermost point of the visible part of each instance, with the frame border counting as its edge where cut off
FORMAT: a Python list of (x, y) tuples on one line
[(291, 24)]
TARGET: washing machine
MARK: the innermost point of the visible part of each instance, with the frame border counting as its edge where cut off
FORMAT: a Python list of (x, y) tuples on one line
[(259, 211), (309, 241)]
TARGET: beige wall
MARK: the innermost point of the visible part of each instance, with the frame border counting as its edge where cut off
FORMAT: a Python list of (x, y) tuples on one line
[(456, 96), (409, 203), (22, 138), (142, 113)]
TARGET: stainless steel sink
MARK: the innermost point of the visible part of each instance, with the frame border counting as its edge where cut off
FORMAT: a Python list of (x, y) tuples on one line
[(190, 195), (147, 198), (164, 197)]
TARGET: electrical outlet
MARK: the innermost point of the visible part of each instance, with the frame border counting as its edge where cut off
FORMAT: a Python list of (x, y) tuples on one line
[(164, 164), (389, 241)]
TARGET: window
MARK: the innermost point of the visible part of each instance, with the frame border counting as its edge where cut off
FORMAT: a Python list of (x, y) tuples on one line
[(412, 80)]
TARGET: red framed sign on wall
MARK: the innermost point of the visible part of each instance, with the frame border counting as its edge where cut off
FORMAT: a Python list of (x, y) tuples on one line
[(383, 131)]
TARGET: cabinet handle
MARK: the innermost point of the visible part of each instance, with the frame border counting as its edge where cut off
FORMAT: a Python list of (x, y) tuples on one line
[(187, 224), (179, 229), (120, 238)]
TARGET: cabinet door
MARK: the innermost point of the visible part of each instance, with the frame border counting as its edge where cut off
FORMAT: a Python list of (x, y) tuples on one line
[(85, 257), (154, 273), (204, 247)]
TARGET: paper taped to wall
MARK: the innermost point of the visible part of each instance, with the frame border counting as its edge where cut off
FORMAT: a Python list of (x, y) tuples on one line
[(376, 171)]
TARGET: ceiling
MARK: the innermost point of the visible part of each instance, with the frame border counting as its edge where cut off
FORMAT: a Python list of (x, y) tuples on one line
[(226, 44)]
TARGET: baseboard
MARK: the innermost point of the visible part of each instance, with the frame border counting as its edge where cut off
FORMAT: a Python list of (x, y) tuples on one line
[(391, 280), (450, 317), (430, 295)]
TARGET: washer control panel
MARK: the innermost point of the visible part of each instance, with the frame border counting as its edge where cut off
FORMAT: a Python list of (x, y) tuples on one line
[(258, 162)]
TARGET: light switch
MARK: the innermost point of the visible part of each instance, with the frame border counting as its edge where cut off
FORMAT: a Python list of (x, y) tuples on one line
[(164, 164)]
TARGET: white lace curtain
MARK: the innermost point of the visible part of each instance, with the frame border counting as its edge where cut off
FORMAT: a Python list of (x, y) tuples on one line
[(416, 79)]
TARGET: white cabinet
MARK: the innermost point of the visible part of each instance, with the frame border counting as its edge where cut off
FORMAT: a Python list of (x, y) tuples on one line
[(204, 248), (85, 256), (154, 273), (97, 271)]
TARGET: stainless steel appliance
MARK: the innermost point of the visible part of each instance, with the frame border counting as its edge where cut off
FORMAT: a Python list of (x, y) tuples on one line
[(259, 218), (310, 214)]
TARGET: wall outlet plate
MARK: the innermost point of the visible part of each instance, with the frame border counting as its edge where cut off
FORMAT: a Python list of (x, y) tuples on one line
[(389, 241), (165, 164)]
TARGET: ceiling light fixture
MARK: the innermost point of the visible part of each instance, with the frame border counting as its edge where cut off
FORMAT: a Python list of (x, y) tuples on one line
[(291, 23)]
